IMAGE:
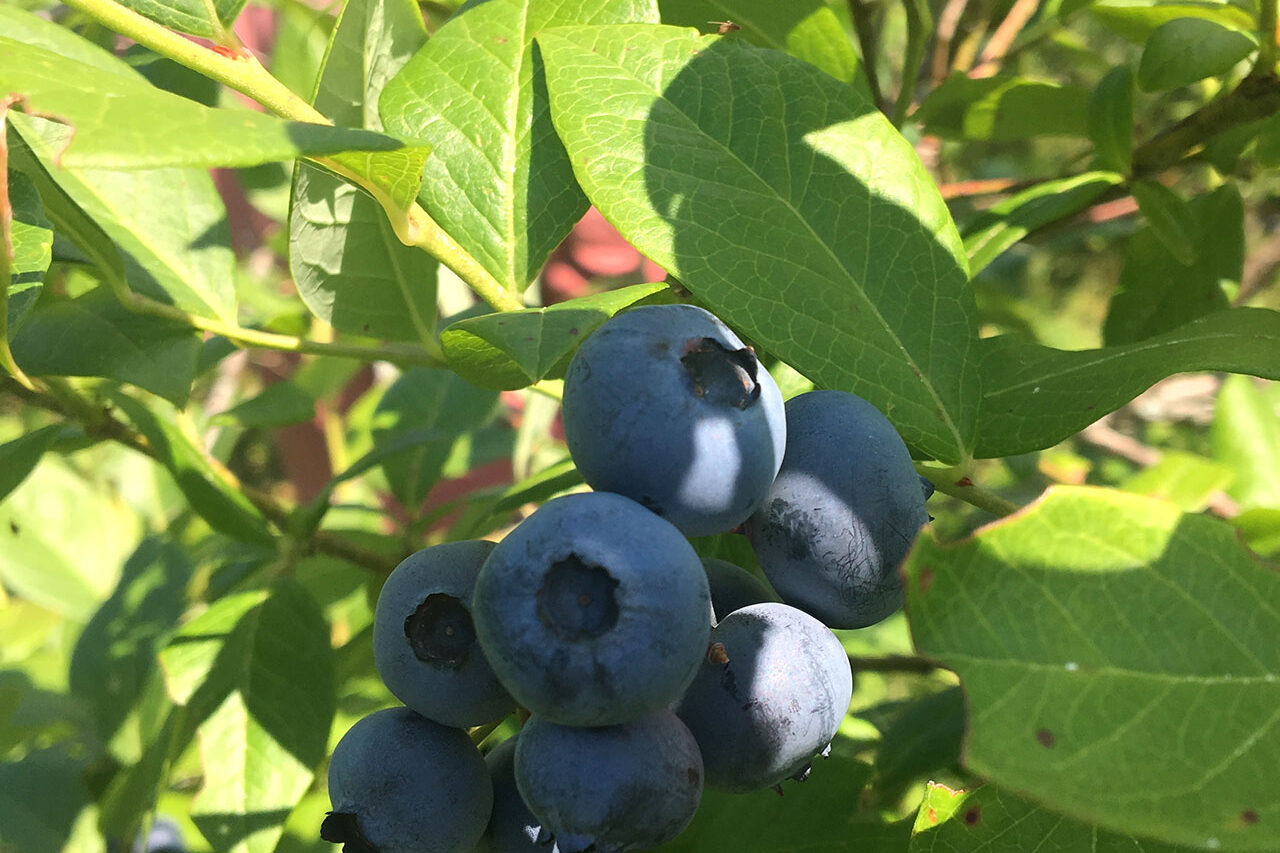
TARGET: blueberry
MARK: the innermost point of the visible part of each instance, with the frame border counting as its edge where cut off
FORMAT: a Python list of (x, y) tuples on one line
[(733, 587), (400, 783), (593, 610), (664, 404), (611, 788), (512, 827), (424, 643), (841, 514), (769, 697)]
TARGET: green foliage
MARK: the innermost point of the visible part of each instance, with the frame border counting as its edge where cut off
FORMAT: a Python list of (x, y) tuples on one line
[(247, 369)]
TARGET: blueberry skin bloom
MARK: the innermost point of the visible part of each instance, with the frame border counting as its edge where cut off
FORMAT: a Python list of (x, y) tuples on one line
[(424, 642), (593, 610), (841, 514), (770, 696), (400, 783), (613, 788), (664, 404)]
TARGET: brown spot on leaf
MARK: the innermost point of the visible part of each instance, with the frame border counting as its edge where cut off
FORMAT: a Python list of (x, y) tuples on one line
[(1045, 738), (964, 481), (931, 816), (1249, 816), (926, 578), (14, 528), (972, 816)]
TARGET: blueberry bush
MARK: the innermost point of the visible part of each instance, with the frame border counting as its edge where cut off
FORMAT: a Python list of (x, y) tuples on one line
[(291, 295)]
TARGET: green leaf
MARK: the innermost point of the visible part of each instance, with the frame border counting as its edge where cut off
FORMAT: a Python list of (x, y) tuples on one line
[(190, 16), (122, 221), (1128, 677), (190, 659), (513, 349), (63, 540), (94, 335), (431, 399), (1035, 396), (988, 818), (279, 404), (499, 181), (19, 457), (816, 816), (1158, 291), (1183, 479), (994, 232), (123, 122), (224, 507), (806, 29), (1136, 20), (1185, 50), (752, 208), (261, 744), (40, 796), (1111, 120), (1003, 108), (350, 268), (32, 240), (29, 28), (1246, 437), (924, 739), (115, 654), (1169, 218), (1260, 529)]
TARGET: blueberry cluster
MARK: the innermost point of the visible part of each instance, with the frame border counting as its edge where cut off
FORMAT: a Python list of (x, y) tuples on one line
[(645, 672)]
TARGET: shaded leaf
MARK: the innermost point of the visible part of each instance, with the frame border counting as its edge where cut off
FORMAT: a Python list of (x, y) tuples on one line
[(752, 208), (1185, 50), (1035, 396), (40, 796), (513, 349), (806, 29), (1098, 669), (219, 503), (499, 181), (279, 404), (32, 242), (19, 457), (121, 121), (94, 335), (190, 16), (924, 739), (123, 221), (987, 818), (426, 398), (1111, 120), (271, 690), (815, 816), (1158, 291), (995, 231), (1004, 107), (1168, 217), (1246, 437), (116, 653)]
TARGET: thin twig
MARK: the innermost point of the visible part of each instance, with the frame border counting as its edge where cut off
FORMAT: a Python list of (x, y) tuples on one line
[(948, 23), (989, 62), (869, 44), (892, 663)]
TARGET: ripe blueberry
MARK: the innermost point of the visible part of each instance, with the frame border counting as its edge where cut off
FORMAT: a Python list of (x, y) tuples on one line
[(664, 404), (400, 783), (593, 610), (841, 514), (769, 697), (424, 643), (612, 788)]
